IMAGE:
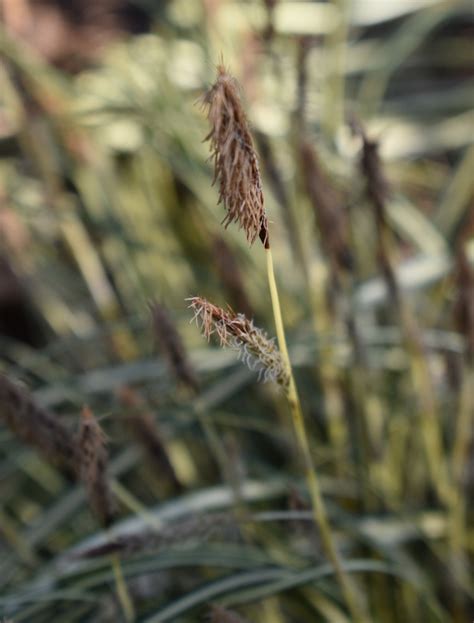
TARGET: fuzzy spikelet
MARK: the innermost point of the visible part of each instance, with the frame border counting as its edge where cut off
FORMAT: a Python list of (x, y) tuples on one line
[(170, 341), (36, 426), (92, 467), (235, 160), (235, 330)]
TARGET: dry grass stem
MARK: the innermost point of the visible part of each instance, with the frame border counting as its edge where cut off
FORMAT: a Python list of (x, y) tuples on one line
[(235, 330), (235, 160)]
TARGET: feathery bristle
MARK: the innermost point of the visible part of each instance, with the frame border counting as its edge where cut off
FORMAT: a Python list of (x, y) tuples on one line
[(173, 348), (36, 426), (92, 467), (235, 330), (235, 160)]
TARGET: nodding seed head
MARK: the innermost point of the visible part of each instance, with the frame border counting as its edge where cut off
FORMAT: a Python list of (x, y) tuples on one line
[(255, 348)]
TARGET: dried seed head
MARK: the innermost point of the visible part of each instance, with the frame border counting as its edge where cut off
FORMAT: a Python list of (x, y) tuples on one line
[(92, 467), (235, 330), (372, 170), (170, 341), (377, 190), (235, 160), (36, 426)]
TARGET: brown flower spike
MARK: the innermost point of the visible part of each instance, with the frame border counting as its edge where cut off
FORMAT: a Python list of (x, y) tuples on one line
[(235, 330), (92, 469), (235, 160), (35, 425)]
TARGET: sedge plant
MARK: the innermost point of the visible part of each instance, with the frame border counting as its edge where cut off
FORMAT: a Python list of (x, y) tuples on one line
[(240, 191)]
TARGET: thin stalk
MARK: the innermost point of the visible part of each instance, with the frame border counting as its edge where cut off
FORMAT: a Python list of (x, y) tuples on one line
[(458, 536), (328, 374), (122, 590), (319, 511), (134, 505)]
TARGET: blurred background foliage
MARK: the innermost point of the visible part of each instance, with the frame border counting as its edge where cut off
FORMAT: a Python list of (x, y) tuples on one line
[(107, 203)]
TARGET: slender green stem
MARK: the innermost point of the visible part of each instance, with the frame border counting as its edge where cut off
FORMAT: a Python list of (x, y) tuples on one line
[(319, 511), (130, 501), (122, 591)]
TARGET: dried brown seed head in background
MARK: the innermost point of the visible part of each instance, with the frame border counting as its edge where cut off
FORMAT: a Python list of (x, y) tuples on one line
[(235, 160), (92, 468), (35, 425)]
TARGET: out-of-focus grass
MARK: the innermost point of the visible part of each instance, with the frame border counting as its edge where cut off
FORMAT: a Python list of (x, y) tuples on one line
[(106, 203)]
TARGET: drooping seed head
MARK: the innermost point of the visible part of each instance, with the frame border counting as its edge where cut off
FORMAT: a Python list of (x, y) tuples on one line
[(255, 348), (235, 160)]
